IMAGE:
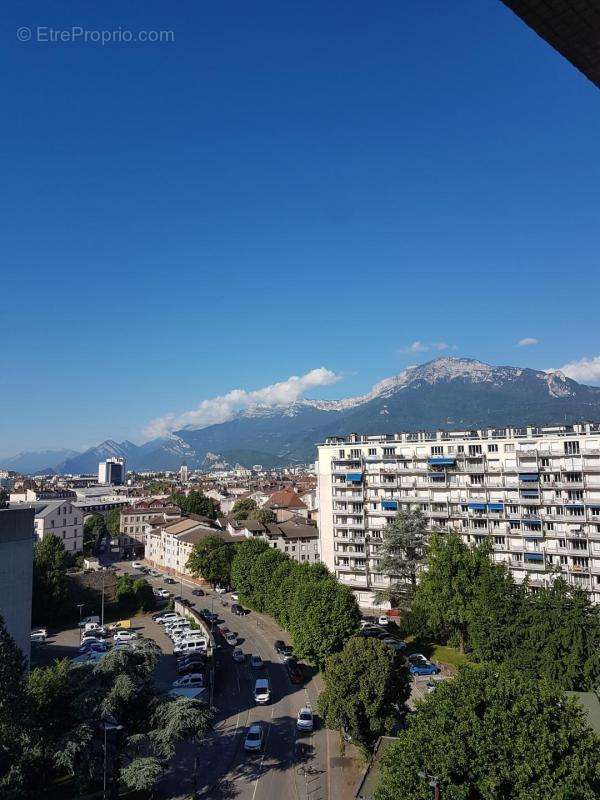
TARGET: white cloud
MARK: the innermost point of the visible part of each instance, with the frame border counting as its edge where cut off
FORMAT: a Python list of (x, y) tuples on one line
[(528, 341), (585, 370), (424, 347), (221, 408)]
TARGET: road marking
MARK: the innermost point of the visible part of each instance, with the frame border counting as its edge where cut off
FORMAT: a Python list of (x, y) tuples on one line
[(261, 761)]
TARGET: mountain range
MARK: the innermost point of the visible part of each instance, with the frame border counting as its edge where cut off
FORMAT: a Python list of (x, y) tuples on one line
[(446, 393)]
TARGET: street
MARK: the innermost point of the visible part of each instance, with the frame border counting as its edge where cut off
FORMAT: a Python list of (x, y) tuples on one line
[(220, 768)]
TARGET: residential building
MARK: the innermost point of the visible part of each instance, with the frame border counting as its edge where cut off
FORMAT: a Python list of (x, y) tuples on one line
[(183, 473), (112, 471), (62, 518), (136, 518), (534, 492), (17, 536), (295, 537), (169, 545), (286, 504)]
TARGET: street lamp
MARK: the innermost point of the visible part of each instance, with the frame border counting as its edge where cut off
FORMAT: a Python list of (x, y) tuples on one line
[(103, 576), (80, 606), (434, 783)]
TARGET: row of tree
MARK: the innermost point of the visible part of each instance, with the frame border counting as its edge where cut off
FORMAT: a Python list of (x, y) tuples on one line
[(305, 599), (52, 722), (195, 503)]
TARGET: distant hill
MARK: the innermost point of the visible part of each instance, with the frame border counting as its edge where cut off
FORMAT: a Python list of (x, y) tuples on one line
[(447, 393)]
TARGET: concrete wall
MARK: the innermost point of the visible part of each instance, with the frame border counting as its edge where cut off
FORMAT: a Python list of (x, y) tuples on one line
[(16, 568)]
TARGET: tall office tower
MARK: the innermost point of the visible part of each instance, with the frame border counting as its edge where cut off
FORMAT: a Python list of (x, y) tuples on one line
[(112, 471)]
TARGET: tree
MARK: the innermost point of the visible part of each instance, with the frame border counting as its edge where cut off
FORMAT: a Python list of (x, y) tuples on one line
[(13, 715), (447, 588), (211, 559), (261, 573), (494, 733), (196, 503), (92, 527), (242, 508), (3, 498), (113, 521), (402, 553), (323, 616), (366, 684), (241, 567), (51, 596), (266, 516), (557, 637)]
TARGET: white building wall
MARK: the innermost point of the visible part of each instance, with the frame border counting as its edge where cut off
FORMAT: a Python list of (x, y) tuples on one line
[(534, 491)]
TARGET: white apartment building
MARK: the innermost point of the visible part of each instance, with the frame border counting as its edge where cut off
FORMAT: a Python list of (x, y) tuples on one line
[(534, 491), (59, 517), (169, 545)]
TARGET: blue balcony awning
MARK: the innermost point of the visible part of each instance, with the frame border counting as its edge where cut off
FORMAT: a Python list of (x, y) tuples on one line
[(389, 505), (354, 477), (532, 521), (530, 493), (441, 461), (495, 506), (535, 557), (477, 506), (529, 476)]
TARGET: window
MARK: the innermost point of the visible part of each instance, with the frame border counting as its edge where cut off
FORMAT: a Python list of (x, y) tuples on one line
[(460, 448), (342, 453), (492, 448), (544, 462), (509, 448), (474, 449), (571, 448), (437, 451), (372, 451), (389, 451), (354, 453)]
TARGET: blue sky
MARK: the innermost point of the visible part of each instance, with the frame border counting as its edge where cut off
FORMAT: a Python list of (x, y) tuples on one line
[(284, 187)]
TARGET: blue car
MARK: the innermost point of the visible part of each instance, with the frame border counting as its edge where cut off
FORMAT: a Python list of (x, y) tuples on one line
[(424, 668)]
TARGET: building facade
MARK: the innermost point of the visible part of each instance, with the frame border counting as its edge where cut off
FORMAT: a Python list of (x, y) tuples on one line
[(16, 567), (535, 492), (62, 518), (112, 472), (168, 546), (136, 518), (296, 537)]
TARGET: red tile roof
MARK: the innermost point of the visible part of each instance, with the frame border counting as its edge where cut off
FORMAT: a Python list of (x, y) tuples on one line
[(286, 498)]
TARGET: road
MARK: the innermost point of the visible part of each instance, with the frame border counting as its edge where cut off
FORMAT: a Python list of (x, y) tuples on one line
[(222, 768)]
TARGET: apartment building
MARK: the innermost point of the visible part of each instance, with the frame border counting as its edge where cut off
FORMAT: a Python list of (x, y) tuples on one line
[(16, 566), (135, 518), (62, 518), (535, 492), (295, 537)]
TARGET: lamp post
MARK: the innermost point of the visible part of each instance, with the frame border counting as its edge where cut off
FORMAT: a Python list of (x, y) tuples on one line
[(80, 606), (109, 725), (434, 783), (103, 576)]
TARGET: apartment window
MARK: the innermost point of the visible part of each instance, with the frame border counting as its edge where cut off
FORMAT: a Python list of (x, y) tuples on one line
[(562, 542), (571, 448), (509, 448), (550, 526), (492, 448), (354, 453), (544, 462), (474, 449), (389, 451), (372, 451), (500, 540), (460, 448), (476, 480), (437, 451), (342, 453)]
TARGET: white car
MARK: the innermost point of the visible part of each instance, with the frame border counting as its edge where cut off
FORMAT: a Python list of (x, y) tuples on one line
[(383, 620), (167, 617), (164, 594), (38, 635), (193, 681), (305, 719), (220, 590), (125, 636), (253, 743), (235, 597), (137, 565), (86, 621)]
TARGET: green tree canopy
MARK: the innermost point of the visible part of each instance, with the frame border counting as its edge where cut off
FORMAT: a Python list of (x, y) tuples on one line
[(265, 516), (51, 595), (494, 733), (113, 521), (196, 503), (366, 685), (402, 553), (14, 771), (245, 554), (211, 559), (261, 574), (242, 509)]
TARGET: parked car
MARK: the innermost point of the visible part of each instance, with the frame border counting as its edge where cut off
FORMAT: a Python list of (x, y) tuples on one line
[(262, 691), (185, 602), (220, 590), (86, 620), (256, 662), (125, 636), (87, 658), (191, 667), (423, 667), (164, 594), (279, 645), (395, 644), (295, 672), (415, 658), (383, 619), (305, 719), (168, 616), (253, 743), (137, 565), (38, 635), (198, 592), (235, 597), (237, 610), (238, 656), (168, 580), (94, 647), (287, 654), (192, 681), (231, 638)]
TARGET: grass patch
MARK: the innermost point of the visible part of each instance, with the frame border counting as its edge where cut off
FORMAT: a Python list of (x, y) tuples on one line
[(440, 653)]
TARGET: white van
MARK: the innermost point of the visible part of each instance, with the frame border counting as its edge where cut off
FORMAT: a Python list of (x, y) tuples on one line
[(87, 620), (197, 645), (262, 691)]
